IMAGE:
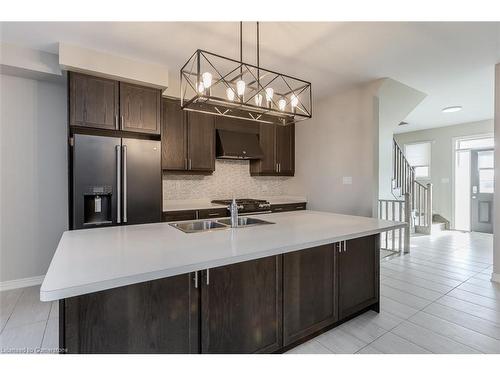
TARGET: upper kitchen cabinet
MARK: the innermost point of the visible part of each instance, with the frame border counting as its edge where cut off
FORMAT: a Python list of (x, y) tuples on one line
[(201, 142), (285, 149), (139, 108), (93, 101), (188, 139), (173, 136), (278, 145)]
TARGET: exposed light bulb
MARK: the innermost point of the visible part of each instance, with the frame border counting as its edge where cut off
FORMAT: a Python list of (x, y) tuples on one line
[(294, 100), (282, 104), (240, 87), (201, 88), (269, 94), (207, 79), (230, 93), (258, 100)]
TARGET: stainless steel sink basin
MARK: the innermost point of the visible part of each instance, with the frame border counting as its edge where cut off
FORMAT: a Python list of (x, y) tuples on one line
[(198, 226), (245, 221)]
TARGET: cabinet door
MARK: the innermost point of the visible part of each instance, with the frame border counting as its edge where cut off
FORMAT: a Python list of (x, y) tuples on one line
[(159, 316), (309, 292), (140, 108), (267, 139), (358, 272), (285, 149), (173, 136), (93, 101), (212, 213), (201, 142), (241, 307)]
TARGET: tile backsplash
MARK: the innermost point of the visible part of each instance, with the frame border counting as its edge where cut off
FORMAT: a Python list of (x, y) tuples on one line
[(231, 178)]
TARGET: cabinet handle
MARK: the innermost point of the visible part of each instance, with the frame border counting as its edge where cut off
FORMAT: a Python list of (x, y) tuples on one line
[(121, 121), (185, 163), (213, 214), (208, 276), (116, 122), (276, 168), (124, 184), (279, 167), (196, 279), (118, 184), (189, 164), (278, 209)]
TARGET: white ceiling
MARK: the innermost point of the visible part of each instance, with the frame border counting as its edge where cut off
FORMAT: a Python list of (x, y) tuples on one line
[(453, 63)]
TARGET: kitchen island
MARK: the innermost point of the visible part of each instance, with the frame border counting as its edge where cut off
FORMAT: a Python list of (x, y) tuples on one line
[(154, 289)]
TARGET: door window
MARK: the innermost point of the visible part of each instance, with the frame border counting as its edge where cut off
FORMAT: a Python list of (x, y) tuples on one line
[(486, 171)]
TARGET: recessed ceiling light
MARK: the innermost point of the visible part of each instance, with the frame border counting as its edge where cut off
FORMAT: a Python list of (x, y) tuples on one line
[(454, 108)]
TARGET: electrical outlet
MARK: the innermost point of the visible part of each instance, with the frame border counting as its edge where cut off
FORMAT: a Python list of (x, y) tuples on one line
[(347, 180)]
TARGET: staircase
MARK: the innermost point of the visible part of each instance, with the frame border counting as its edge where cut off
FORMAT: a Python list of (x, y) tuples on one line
[(412, 204)]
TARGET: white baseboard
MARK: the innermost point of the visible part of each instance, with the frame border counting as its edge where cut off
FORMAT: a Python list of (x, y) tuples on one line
[(495, 277), (21, 283)]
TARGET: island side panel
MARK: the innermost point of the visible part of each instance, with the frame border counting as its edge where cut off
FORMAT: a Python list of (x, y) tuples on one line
[(159, 316)]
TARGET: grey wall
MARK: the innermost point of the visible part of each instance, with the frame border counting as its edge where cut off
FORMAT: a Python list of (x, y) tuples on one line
[(33, 196), (442, 158), (340, 141)]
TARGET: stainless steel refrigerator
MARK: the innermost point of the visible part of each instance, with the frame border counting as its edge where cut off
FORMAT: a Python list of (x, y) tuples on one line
[(115, 181)]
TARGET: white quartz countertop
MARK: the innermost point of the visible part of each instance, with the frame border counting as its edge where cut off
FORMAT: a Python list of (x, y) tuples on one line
[(202, 204), (91, 260)]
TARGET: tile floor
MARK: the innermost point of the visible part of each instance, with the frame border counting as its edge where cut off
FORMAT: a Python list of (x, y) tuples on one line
[(437, 299)]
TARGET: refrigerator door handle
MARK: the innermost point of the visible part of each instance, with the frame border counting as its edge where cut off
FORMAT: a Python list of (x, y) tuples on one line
[(124, 184), (118, 183)]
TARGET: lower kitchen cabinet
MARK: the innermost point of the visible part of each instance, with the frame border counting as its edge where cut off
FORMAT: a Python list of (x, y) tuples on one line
[(259, 306), (241, 307), (358, 263), (309, 292), (159, 316), (179, 215)]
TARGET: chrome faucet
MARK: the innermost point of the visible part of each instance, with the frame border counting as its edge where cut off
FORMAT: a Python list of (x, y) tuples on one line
[(234, 214)]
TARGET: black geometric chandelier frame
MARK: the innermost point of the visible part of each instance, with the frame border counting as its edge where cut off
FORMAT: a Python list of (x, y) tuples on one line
[(221, 86)]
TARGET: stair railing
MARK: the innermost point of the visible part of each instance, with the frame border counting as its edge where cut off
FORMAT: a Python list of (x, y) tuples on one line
[(397, 240)]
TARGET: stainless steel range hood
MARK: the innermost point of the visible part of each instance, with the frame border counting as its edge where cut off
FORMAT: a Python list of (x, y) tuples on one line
[(238, 145)]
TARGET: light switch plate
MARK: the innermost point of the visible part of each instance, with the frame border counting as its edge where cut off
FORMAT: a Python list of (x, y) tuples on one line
[(347, 180)]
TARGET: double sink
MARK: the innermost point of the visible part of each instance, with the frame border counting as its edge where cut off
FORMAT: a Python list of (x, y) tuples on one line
[(206, 225)]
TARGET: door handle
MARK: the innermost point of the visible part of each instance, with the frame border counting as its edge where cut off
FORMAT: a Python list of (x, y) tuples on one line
[(196, 279), (124, 184), (118, 184)]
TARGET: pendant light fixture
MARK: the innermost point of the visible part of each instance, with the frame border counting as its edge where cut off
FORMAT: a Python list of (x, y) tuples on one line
[(222, 86)]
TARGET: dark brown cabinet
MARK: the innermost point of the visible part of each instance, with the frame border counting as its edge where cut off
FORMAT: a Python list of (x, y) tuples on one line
[(309, 292), (93, 101), (278, 144), (212, 213), (173, 136), (139, 108), (159, 316), (288, 207), (180, 215), (358, 274), (241, 307), (188, 139)]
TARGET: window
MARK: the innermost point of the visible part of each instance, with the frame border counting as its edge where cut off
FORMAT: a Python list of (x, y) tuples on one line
[(486, 171), (419, 157)]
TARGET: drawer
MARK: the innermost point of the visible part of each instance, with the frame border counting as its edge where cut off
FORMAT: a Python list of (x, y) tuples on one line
[(179, 215), (288, 207), (213, 213)]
